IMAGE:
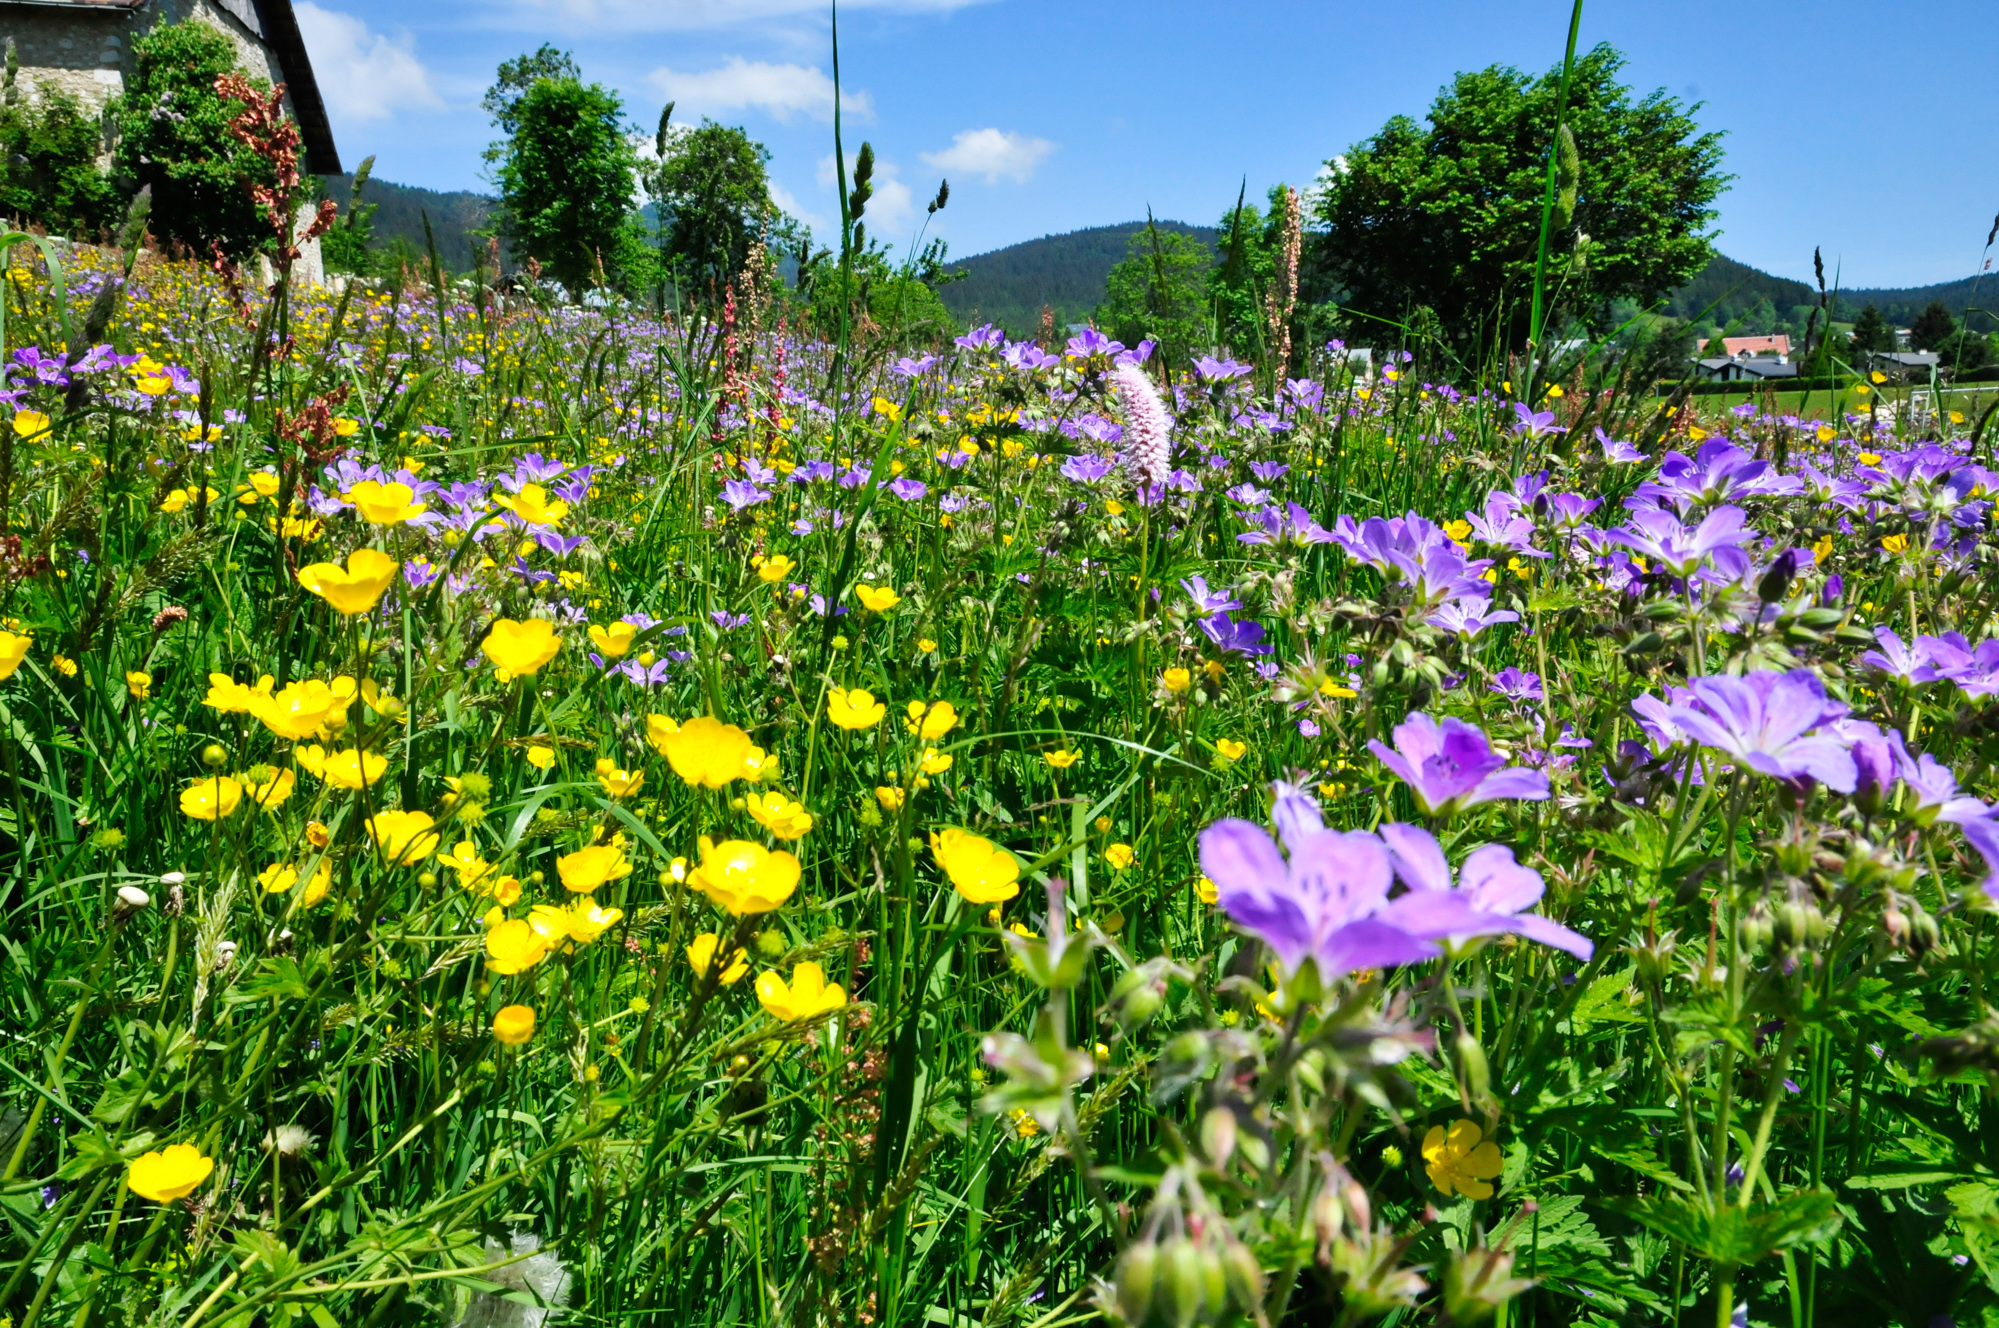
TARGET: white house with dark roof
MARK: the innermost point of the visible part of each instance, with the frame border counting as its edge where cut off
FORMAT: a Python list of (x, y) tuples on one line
[(84, 47)]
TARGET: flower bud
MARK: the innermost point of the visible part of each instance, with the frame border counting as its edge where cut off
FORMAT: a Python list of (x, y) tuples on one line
[(215, 756), (1245, 1276), (1137, 1270), (1218, 1131), (129, 901), (1183, 1283)]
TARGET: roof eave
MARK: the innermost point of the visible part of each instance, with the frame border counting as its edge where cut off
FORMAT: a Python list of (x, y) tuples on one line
[(281, 34)]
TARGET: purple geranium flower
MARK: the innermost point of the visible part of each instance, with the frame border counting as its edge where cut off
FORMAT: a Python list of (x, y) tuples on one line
[(743, 493), (1617, 453), (1489, 897), (1534, 423), (1244, 638), (1321, 905), (1451, 766), (1085, 468), (1517, 685), (1981, 834), (1213, 370), (1208, 601), (1090, 342), (908, 489), (1900, 662), (1659, 535), (1767, 721), (1469, 617)]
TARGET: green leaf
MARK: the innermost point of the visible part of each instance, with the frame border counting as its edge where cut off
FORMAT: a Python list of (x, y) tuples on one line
[(1901, 1180), (1733, 1236)]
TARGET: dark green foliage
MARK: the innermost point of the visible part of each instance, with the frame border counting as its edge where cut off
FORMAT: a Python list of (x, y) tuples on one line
[(567, 177), (457, 218), (346, 248), (1068, 273), (174, 136), (1933, 328), (900, 302), (1448, 217), (516, 76), (48, 160), (1871, 331), (1159, 290), (714, 199), (1246, 250)]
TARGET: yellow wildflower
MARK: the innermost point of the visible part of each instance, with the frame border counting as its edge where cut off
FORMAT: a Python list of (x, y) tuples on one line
[(1119, 856), (775, 568), (704, 751), (618, 783), (356, 588), (743, 877), (979, 870), (1062, 757), (806, 996), (701, 953), (521, 647), (588, 868), (877, 599), (514, 946), (1229, 749), (513, 1025), (353, 769), (613, 640), (139, 684), (385, 504), (405, 838), (932, 721), (210, 799), (778, 814), (1457, 1161), (172, 1173), (856, 709), (1176, 680)]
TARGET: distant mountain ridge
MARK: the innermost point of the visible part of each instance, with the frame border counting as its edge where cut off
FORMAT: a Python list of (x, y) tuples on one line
[(1068, 273), (400, 210)]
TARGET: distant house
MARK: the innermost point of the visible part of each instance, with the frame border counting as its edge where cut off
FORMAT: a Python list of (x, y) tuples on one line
[(1743, 348), (84, 47), (1728, 369), (1917, 363)]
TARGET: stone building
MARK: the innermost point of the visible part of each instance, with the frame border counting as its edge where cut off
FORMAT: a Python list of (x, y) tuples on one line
[(84, 47)]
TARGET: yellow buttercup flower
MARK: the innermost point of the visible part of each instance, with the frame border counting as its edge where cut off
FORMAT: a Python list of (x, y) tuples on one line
[(856, 709), (774, 569), (358, 587), (704, 751), (62, 664), (934, 762), (926, 646), (613, 640), (228, 696), (174, 1172), (743, 877), (280, 877), (618, 783), (540, 757), (265, 483), (1457, 1161), (1119, 856), (405, 838), (139, 684), (778, 814), (1822, 550), (890, 797), (979, 870), (13, 649), (1062, 757), (271, 794), (589, 868), (465, 860), (210, 799), (806, 996), (532, 506), (877, 599), (1895, 543), (385, 504), (521, 647), (353, 769), (298, 709), (701, 953), (931, 721), (30, 423), (1176, 680), (585, 921), (513, 1025), (1205, 891), (514, 946), (1229, 749)]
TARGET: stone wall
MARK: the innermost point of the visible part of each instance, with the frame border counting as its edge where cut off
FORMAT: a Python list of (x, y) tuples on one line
[(86, 50)]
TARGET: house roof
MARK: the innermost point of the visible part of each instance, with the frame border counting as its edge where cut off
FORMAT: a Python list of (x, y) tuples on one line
[(277, 26), (281, 34), (1779, 344)]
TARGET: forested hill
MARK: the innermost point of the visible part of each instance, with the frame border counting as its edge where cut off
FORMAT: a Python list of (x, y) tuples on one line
[(1728, 292), (401, 208), (1066, 272)]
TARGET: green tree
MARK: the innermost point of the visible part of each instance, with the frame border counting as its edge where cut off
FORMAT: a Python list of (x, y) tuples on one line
[(514, 78), (348, 246), (567, 177), (173, 134), (899, 301), (48, 159), (713, 193), (1159, 290), (1933, 328), (1243, 270), (1450, 216), (1871, 332)]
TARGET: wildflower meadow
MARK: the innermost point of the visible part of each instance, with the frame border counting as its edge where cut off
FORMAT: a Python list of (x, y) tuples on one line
[(522, 812)]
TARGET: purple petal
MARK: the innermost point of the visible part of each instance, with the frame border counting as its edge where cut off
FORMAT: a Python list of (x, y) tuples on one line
[(1418, 858)]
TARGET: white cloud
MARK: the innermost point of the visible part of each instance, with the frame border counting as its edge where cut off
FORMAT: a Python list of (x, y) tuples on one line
[(992, 153), (362, 75), (781, 90), (789, 203), (889, 209), (682, 15)]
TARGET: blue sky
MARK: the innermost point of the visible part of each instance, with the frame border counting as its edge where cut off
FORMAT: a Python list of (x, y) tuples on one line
[(1861, 128)]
